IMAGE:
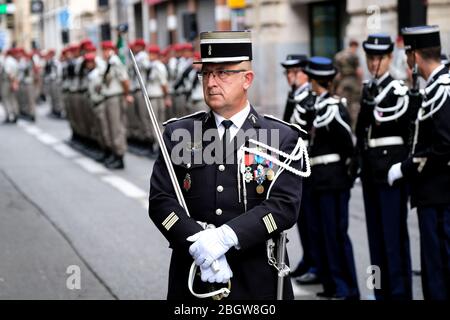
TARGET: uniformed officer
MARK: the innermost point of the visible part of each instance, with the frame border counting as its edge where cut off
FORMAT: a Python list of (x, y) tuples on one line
[(331, 153), (52, 82), (296, 79), (300, 110), (27, 87), (382, 131), (115, 89), (10, 85), (427, 169), (238, 207), (158, 90), (135, 129)]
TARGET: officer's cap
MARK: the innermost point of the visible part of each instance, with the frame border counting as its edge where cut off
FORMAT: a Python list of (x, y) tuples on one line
[(421, 37), (294, 60), (225, 46), (320, 68), (378, 44)]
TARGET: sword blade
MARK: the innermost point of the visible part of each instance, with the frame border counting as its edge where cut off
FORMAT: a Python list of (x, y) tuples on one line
[(159, 137)]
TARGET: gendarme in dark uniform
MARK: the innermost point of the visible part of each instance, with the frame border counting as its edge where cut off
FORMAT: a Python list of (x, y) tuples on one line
[(331, 151), (382, 133), (215, 193), (428, 167)]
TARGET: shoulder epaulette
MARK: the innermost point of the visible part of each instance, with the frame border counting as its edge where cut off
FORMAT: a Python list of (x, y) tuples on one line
[(292, 125), (193, 115)]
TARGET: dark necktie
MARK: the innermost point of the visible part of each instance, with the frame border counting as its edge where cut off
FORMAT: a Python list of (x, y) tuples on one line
[(226, 137)]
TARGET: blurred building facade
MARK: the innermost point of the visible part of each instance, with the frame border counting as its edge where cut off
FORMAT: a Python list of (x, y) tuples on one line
[(280, 27)]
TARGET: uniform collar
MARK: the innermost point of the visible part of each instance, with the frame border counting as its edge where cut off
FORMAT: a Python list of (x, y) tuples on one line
[(434, 74), (238, 119), (301, 89), (381, 79)]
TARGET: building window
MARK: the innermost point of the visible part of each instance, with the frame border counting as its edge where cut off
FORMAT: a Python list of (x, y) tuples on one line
[(324, 26)]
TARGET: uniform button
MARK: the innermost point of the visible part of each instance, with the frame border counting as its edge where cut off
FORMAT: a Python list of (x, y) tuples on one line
[(188, 165), (219, 212), (219, 188), (385, 152), (221, 167)]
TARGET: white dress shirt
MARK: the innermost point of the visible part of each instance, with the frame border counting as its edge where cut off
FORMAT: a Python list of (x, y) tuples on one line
[(238, 120)]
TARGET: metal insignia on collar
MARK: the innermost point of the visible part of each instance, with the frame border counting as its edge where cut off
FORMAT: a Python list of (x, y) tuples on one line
[(252, 118)]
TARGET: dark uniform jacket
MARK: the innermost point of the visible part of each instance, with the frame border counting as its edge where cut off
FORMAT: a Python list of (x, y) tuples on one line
[(376, 158), (291, 102), (428, 168), (253, 278), (331, 135)]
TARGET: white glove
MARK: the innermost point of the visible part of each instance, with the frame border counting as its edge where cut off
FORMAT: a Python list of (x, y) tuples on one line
[(210, 244), (395, 173), (222, 276)]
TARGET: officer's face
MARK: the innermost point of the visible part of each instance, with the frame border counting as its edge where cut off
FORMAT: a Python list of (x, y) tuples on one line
[(291, 75), (378, 64), (223, 89)]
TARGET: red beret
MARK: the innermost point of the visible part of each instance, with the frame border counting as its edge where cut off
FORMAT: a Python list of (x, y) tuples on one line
[(85, 43), (89, 56), (153, 48), (140, 43), (108, 45)]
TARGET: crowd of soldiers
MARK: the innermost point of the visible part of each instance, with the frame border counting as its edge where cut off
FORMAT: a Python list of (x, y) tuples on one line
[(396, 142), (99, 94)]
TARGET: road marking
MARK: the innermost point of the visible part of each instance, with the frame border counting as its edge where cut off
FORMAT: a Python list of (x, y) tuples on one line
[(125, 187), (90, 166), (121, 184), (144, 203), (65, 151), (33, 130), (46, 138)]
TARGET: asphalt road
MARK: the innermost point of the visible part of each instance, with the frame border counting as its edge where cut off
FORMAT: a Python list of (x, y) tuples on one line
[(60, 209)]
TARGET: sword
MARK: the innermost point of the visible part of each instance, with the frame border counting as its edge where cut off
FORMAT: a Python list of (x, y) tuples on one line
[(159, 138), (162, 145), (283, 269)]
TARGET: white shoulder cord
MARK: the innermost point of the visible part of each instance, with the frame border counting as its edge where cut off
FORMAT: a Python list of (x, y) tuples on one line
[(400, 108), (326, 118), (297, 117), (443, 94)]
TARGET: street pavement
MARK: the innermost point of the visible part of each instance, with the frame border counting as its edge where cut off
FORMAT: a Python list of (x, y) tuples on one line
[(60, 209)]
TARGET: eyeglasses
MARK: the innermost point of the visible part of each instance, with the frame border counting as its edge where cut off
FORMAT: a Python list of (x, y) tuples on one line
[(220, 74)]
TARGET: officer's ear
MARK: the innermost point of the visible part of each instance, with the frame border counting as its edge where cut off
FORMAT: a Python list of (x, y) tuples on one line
[(248, 79)]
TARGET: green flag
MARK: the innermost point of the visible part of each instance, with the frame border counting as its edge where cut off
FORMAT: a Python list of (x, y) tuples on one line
[(121, 48)]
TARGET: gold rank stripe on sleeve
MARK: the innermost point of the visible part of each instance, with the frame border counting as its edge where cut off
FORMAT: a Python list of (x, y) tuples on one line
[(268, 220), (170, 221)]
